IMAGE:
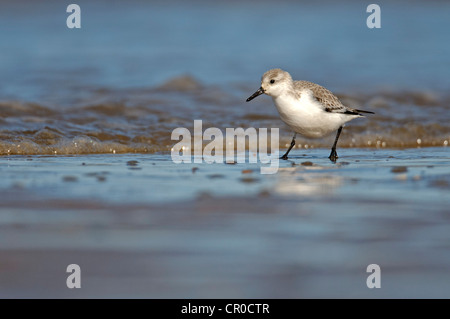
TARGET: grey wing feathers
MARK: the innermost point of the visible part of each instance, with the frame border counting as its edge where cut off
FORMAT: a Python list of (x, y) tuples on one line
[(330, 101)]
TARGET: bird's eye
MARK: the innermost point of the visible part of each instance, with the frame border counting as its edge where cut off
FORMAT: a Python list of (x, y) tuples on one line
[(272, 81)]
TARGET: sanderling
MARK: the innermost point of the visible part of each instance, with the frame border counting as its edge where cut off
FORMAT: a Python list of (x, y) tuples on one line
[(307, 108)]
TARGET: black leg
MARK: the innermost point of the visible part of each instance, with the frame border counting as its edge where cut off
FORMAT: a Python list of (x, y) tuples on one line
[(284, 157), (333, 156)]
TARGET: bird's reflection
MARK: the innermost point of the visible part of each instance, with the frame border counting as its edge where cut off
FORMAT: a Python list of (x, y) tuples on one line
[(292, 181)]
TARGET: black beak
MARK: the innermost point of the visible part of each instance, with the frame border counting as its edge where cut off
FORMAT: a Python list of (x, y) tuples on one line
[(259, 92)]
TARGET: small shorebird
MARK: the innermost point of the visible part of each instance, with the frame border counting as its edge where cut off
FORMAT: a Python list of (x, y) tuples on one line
[(307, 108)]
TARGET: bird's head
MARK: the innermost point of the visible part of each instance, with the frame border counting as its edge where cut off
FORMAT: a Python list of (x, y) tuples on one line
[(273, 83)]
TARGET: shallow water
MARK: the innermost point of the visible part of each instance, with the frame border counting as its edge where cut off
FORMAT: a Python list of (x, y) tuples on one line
[(136, 71), (147, 179), (142, 121), (141, 226)]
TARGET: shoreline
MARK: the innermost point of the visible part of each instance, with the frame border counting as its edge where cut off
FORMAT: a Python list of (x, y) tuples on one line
[(140, 226)]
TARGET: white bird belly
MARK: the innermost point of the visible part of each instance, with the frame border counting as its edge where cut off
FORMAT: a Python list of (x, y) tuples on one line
[(307, 116)]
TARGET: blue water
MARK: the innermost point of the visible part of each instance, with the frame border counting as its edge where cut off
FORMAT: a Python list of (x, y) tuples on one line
[(156, 229), (144, 43)]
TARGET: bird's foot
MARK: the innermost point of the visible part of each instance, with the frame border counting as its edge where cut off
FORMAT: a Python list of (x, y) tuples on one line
[(333, 156), (284, 157)]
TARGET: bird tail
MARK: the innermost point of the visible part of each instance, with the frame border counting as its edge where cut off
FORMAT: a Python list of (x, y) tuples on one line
[(362, 111)]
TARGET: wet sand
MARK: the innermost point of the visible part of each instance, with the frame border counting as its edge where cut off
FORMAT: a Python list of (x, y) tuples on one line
[(141, 226)]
